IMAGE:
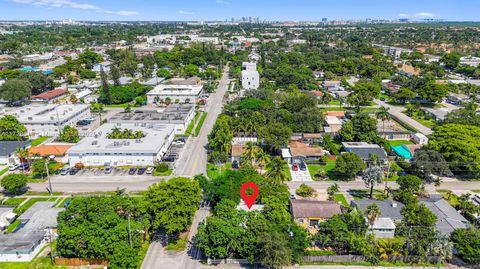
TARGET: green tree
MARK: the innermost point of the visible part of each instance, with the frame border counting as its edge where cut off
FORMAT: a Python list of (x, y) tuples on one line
[(14, 183), (362, 127), (404, 94), (11, 129), (467, 243), (173, 203), (39, 169), (191, 70), (276, 170), (273, 250), (332, 190), (15, 90), (451, 60), (115, 73), (373, 212), (89, 58), (105, 91), (371, 176), (69, 134), (383, 115), (275, 135), (164, 73), (305, 191), (409, 183), (349, 164)]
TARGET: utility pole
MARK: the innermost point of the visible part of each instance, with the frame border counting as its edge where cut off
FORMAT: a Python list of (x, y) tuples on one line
[(48, 177), (388, 174), (58, 123)]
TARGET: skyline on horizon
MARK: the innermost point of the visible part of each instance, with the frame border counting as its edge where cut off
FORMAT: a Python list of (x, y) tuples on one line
[(221, 10)]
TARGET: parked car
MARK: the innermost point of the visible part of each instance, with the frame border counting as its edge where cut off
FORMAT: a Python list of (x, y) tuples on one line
[(149, 170), (83, 122), (303, 166), (235, 164), (132, 171), (169, 159), (141, 170), (73, 171), (295, 167), (107, 170), (13, 167), (401, 173), (64, 171), (292, 196), (23, 166), (178, 143)]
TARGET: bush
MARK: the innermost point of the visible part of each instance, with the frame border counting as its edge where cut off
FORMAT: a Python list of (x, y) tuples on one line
[(14, 183), (305, 191), (79, 166), (161, 167)]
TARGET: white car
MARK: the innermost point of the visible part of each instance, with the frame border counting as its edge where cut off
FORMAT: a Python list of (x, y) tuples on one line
[(178, 142), (149, 170), (13, 167)]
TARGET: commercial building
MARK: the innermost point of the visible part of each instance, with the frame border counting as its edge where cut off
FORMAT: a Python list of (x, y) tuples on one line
[(49, 96), (250, 76), (177, 115), (99, 150), (48, 120), (172, 93), (35, 231)]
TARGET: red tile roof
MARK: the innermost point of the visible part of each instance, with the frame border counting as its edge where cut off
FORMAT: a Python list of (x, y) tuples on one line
[(50, 94)]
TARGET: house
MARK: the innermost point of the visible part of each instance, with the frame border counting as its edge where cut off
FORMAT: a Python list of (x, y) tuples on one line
[(317, 94), (309, 213), (332, 85), (254, 57), (390, 87), (175, 93), (50, 119), (250, 76), (382, 228), (177, 115), (470, 60), (388, 208), (448, 219), (87, 96), (56, 150), (36, 230), (48, 96), (152, 82), (333, 125), (105, 66), (439, 114), (364, 150), (408, 70), (122, 81), (301, 152), (419, 138), (318, 74), (100, 150), (312, 138), (457, 98), (8, 151), (237, 152)]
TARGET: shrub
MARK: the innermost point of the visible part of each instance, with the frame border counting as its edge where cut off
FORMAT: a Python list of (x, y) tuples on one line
[(161, 167), (79, 166), (14, 183)]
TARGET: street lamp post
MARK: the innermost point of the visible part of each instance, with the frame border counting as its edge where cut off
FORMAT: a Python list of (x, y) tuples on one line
[(48, 177)]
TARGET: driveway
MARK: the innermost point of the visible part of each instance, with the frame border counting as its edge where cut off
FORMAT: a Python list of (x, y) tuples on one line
[(300, 176), (397, 112)]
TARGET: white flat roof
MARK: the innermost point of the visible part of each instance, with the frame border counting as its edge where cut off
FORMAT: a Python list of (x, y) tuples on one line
[(50, 113), (156, 136), (331, 120), (169, 89)]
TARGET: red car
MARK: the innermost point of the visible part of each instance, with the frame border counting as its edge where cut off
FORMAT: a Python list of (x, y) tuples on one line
[(295, 167)]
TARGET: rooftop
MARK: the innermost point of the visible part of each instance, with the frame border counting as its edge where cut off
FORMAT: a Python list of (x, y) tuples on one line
[(448, 219), (314, 209), (155, 137), (172, 114), (364, 149), (298, 148), (9, 147), (173, 89), (51, 113), (48, 95), (383, 223), (388, 208), (50, 149)]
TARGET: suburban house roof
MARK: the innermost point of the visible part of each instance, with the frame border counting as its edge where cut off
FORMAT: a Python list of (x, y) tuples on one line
[(49, 95), (317, 93), (383, 223), (388, 208), (408, 69), (331, 82), (312, 135), (314, 209), (448, 219), (298, 148), (237, 150), (9, 147), (47, 150), (364, 150)]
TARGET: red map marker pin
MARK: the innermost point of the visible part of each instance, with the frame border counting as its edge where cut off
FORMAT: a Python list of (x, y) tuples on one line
[(249, 199)]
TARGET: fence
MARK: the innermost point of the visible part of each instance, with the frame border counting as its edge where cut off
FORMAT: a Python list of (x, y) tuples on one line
[(79, 262), (334, 258)]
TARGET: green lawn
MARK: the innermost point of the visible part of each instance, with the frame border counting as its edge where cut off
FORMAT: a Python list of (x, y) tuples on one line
[(29, 203), (399, 142), (362, 194), (200, 123), (191, 125), (13, 226), (340, 198), (14, 201), (124, 105), (214, 171), (4, 171), (38, 141), (41, 263), (314, 168), (286, 168), (162, 174), (428, 123)]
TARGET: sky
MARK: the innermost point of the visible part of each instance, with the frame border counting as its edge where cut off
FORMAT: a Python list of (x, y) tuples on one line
[(272, 10)]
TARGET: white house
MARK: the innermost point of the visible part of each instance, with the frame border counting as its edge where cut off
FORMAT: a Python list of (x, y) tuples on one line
[(382, 228), (175, 93), (49, 120), (250, 76), (420, 138), (470, 60), (99, 150)]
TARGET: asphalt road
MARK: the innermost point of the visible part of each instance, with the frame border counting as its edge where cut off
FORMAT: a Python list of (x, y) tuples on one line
[(396, 111)]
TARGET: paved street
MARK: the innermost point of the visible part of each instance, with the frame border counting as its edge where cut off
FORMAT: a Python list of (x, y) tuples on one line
[(194, 162), (396, 111)]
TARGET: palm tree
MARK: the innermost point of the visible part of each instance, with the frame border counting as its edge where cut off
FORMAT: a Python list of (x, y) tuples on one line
[(371, 176), (250, 152), (276, 171), (262, 159), (22, 155), (383, 115), (372, 211)]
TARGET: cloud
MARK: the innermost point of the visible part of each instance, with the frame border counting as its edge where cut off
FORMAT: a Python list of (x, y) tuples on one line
[(404, 15), (183, 12), (425, 14), (58, 3), (221, 2), (123, 12)]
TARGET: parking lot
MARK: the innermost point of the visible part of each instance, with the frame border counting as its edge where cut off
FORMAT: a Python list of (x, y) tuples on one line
[(300, 175)]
